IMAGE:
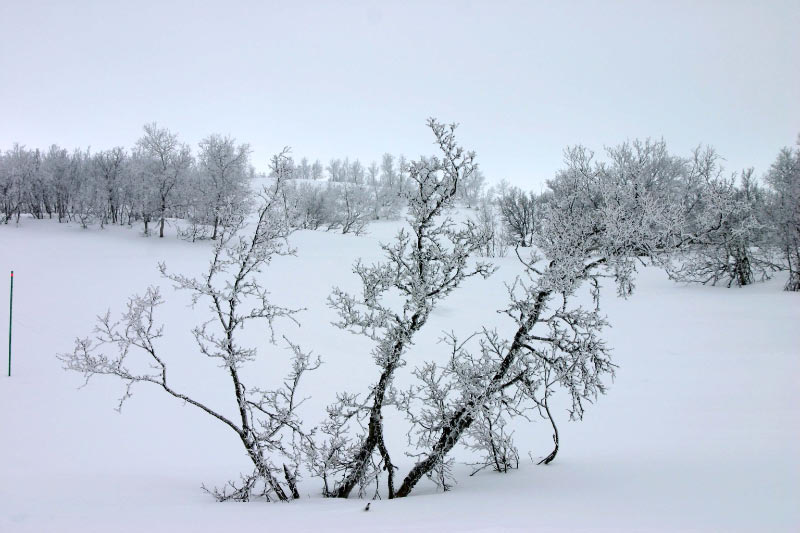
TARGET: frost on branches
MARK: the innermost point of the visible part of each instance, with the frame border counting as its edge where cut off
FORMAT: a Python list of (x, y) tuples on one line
[(423, 265), (726, 235), (593, 228), (598, 222), (219, 193), (266, 420), (783, 180)]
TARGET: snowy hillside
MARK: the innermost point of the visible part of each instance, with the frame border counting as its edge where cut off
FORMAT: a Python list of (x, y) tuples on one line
[(700, 429)]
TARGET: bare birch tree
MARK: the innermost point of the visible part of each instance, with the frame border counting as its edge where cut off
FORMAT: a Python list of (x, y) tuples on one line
[(224, 180), (593, 229), (424, 265), (168, 161), (783, 179), (266, 421)]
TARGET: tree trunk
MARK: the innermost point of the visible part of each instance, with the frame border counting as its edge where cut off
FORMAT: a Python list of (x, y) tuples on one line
[(793, 260), (549, 459), (462, 419), (163, 215), (375, 428), (374, 431), (449, 437)]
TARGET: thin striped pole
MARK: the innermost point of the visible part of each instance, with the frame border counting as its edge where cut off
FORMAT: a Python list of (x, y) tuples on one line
[(10, 311)]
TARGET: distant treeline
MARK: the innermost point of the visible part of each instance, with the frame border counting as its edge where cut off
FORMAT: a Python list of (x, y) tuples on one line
[(161, 178), (738, 229)]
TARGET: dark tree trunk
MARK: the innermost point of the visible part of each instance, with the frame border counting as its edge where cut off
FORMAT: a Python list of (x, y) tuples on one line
[(163, 216), (374, 433), (462, 419), (549, 459), (375, 427), (793, 260), (291, 480), (449, 437)]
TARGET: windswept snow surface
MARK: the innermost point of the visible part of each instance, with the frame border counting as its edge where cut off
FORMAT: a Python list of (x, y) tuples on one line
[(699, 431)]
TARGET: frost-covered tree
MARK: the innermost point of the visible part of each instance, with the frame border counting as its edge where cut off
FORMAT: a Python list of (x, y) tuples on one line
[(423, 265), (356, 172), (385, 198), (317, 170), (266, 420), (165, 161), (37, 190), (471, 191), (110, 167), (144, 203), (495, 237), (725, 228), (594, 229), (783, 180), (282, 166), (389, 177), (727, 244), (55, 167), (402, 173), (350, 207), (518, 210), (645, 167), (334, 170), (86, 203), (17, 169), (224, 181), (303, 170), (307, 205), (373, 184)]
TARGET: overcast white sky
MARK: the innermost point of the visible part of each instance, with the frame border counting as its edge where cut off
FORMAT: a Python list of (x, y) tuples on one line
[(335, 79)]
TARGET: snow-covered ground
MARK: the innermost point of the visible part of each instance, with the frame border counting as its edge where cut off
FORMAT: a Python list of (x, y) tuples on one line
[(700, 430)]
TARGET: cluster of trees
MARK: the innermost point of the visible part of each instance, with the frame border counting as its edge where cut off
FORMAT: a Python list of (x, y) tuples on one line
[(353, 194), (735, 230), (599, 219), (783, 179), (508, 216), (391, 173), (161, 179), (348, 200), (156, 180)]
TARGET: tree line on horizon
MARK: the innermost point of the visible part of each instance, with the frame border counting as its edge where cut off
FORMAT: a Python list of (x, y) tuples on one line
[(161, 179), (746, 227)]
